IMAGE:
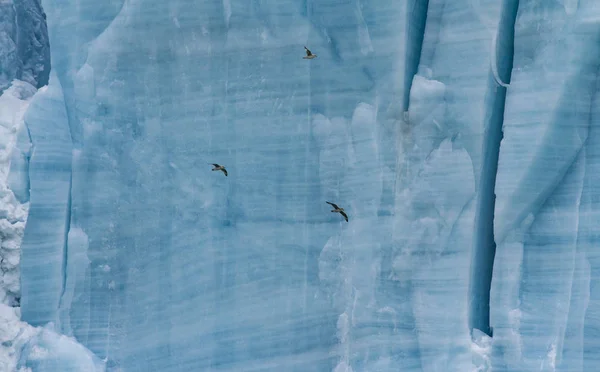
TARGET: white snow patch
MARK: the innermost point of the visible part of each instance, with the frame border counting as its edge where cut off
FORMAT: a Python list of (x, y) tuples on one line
[(481, 348), (38, 353), (48, 345), (552, 356), (13, 215), (14, 334)]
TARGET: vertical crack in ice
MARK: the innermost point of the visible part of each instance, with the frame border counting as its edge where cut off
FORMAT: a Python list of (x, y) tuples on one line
[(66, 243), (415, 35), (71, 122), (64, 268), (482, 261)]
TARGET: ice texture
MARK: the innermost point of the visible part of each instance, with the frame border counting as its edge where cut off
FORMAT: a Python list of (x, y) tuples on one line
[(14, 203), (23, 347), (24, 49), (460, 136), (27, 349), (154, 262), (544, 301)]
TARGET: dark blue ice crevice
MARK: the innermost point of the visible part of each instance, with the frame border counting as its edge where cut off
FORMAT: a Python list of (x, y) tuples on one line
[(66, 241), (71, 127), (484, 247), (43, 245), (417, 19)]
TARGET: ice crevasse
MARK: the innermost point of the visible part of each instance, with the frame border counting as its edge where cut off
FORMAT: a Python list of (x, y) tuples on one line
[(458, 135)]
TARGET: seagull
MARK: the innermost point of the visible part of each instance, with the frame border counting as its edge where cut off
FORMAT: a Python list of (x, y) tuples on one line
[(217, 167), (309, 54), (338, 210)]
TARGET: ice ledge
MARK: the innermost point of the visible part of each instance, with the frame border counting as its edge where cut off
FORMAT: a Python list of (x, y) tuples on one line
[(25, 348)]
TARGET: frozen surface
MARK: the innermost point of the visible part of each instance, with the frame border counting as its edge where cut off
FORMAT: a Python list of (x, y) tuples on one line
[(27, 349), (248, 272), (544, 298), (462, 253), (14, 206), (23, 347), (24, 49)]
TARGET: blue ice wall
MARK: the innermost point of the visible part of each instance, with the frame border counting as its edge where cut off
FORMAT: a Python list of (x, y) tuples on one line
[(544, 301), (177, 267), (458, 135), (44, 243)]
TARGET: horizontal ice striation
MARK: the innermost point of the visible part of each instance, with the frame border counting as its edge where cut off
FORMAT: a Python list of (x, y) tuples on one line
[(544, 304), (24, 49), (554, 82), (452, 99), (14, 206), (22, 346), (135, 248), (170, 266), (44, 244), (581, 346)]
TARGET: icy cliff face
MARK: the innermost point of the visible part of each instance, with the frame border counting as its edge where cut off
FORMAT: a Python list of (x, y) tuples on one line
[(135, 249), (24, 66), (544, 301), (23, 347), (155, 262), (24, 49)]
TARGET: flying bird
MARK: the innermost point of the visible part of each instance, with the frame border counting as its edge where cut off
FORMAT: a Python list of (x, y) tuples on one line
[(309, 54), (217, 167), (338, 210)]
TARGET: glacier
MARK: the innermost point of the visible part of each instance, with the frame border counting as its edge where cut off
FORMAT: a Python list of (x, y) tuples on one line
[(24, 48), (460, 136)]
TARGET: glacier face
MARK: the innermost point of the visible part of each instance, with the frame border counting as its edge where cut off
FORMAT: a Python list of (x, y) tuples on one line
[(136, 250), (544, 299), (237, 273), (23, 347)]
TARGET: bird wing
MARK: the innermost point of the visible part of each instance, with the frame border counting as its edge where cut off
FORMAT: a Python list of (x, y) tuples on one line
[(216, 165), (333, 205), (224, 171), (345, 215), (308, 52)]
